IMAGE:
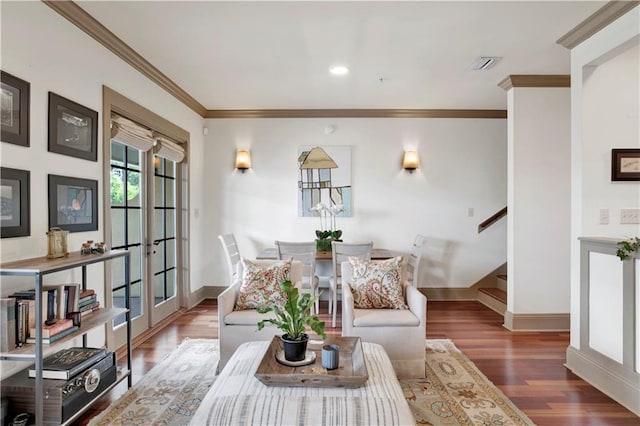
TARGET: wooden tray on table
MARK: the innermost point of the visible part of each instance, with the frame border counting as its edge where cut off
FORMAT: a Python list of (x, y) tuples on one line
[(351, 371)]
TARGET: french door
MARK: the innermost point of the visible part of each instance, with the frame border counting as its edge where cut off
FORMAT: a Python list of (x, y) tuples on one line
[(143, 221)]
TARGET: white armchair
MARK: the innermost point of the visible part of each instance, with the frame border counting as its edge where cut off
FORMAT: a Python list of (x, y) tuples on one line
[(402, 333), (238, 327)]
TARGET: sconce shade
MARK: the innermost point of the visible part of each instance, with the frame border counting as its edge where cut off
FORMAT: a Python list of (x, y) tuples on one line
[(410, 161), (243, 160)]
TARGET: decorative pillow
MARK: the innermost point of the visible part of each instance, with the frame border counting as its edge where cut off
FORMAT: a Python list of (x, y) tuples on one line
[(377, 284), (261, 286)]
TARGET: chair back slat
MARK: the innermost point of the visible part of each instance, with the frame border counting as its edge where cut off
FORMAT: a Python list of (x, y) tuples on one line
[(413, 260), (232, 254), (342, 251)]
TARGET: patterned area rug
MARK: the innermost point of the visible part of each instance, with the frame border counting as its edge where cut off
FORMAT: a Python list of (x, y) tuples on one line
[(171, 392), (454, 393)]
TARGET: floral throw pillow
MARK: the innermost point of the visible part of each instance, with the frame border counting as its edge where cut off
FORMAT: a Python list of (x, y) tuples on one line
[(261, 286), (377, 284)]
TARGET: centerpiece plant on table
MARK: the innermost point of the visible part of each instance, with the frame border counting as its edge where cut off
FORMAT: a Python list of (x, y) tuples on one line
[(292, 318), (327, 231)]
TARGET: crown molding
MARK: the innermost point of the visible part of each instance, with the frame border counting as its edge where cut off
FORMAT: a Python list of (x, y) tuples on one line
[(356, 113), (597, 21), (560, 80), (87, 23)]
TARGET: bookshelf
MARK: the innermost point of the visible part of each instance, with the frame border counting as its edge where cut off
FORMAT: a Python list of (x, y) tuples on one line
[(39, 267)]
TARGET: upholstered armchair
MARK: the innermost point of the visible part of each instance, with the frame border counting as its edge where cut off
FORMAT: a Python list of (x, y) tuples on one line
[(236, 327), (401, 332)]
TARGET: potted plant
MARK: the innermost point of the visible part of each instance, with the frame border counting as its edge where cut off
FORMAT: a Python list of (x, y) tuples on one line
[(627, 247), (324, 235), (292, 318)]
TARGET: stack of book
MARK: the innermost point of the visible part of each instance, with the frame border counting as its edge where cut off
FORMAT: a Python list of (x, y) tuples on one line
[(53, 332), (67, 363), (88, 302)]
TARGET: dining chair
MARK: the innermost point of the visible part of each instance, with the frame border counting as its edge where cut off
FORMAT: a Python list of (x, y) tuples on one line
[(341, 253), (232, 254), (413, 260), (305, 252)]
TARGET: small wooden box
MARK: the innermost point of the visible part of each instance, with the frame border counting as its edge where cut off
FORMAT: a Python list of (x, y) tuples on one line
[(351, 371)]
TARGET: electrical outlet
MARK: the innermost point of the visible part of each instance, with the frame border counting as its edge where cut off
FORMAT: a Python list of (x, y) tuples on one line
[(604, 216), (629, 215)]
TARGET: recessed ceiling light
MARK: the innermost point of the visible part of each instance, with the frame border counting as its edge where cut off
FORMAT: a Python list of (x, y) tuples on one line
[(339, 70)]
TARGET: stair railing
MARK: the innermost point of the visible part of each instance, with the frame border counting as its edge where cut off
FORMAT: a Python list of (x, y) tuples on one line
[(493, 219)]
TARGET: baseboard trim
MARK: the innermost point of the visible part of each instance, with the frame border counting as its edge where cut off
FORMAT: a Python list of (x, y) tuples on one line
[(537, 322), (608, 382)]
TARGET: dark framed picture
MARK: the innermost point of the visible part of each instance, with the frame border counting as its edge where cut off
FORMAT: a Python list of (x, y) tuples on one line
[(14, 193), (73, 203), (73, 128), (14, 111), (625, 164)]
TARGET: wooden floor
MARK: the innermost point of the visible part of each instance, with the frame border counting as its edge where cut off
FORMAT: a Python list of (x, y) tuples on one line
[(527, 367)]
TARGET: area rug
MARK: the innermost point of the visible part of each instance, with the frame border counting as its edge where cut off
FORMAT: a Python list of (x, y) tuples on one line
[(171, 392), (455, 392)]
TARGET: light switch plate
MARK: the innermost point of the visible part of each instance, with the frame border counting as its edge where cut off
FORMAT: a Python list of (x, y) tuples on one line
[(629, 215), (604, 216)]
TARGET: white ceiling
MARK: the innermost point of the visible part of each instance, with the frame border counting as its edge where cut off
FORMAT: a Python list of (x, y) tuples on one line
[(276, 55)]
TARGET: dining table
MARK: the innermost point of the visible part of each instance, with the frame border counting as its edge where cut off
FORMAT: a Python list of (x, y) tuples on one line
[(270, 253)]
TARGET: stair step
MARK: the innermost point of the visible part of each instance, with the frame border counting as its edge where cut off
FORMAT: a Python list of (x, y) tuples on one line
[(502, 276), (495, 293)]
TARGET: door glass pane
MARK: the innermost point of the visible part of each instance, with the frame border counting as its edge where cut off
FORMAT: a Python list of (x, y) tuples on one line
[(133, 188), (133, 158), (171, 248), (117, 228), (171, 223), (117, 186), (135, 302), (134, 225), (158, 183), (158, 258), (158, 224), (169, 194), (158, 287), (171, 283), (169, 168), (135, 262), (117, 273)]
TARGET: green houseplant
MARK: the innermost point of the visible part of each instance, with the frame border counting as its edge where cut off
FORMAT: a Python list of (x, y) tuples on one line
[(627, 247), (292, 319)]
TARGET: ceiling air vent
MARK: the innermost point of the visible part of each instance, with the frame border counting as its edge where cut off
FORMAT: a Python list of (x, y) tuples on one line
[(485, 62)]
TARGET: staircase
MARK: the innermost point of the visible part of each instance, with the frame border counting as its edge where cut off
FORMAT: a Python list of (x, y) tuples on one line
[(495, 298)]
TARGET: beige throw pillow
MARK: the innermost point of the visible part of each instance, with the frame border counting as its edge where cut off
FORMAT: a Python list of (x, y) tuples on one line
[(261, 286), (377, 284)]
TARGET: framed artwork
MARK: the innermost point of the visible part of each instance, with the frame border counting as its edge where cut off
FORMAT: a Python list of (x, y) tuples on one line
[(73, 203), (73, 128), (14, 193), (14, 110), (324, 177), (625, 164)]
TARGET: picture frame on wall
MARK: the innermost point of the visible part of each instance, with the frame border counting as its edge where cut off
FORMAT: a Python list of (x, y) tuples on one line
[(73, 203), (15, 195), (73, 128), (14, 111), (625, 164)]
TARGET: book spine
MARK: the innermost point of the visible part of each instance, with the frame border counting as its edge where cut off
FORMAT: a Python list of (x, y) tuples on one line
[(7, 324), (52, 330), (87, 363), (56, 337)]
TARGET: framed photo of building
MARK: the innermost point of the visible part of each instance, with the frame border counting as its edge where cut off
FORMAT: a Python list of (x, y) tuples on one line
[(14, 194), (73, 203), (625, 164), (73, 128), (14, 110)]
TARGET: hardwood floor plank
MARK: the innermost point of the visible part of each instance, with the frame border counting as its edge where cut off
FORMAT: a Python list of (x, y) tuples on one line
[(528, 367)]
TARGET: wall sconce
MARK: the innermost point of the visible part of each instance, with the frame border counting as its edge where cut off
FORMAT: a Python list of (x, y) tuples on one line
[(243, 160), (410, 161)]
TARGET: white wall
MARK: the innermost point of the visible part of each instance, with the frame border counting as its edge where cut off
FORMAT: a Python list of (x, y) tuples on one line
[(539, 200), (604, 103), (43, 48), (463, 165)]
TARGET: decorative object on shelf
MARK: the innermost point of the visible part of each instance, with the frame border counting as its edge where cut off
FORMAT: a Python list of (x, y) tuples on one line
[(15, 215), (15, 96), (625, 164), (86, 248), (292, 319), (73, 128), (627, 247), (100, 247), (57, 243), (90, 248), (243, 160), (410, 161), (330, 356), (73, 203), (327, 217)]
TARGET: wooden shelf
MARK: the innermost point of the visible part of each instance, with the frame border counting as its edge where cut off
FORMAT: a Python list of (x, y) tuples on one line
[(89, 322), (43, 265)]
